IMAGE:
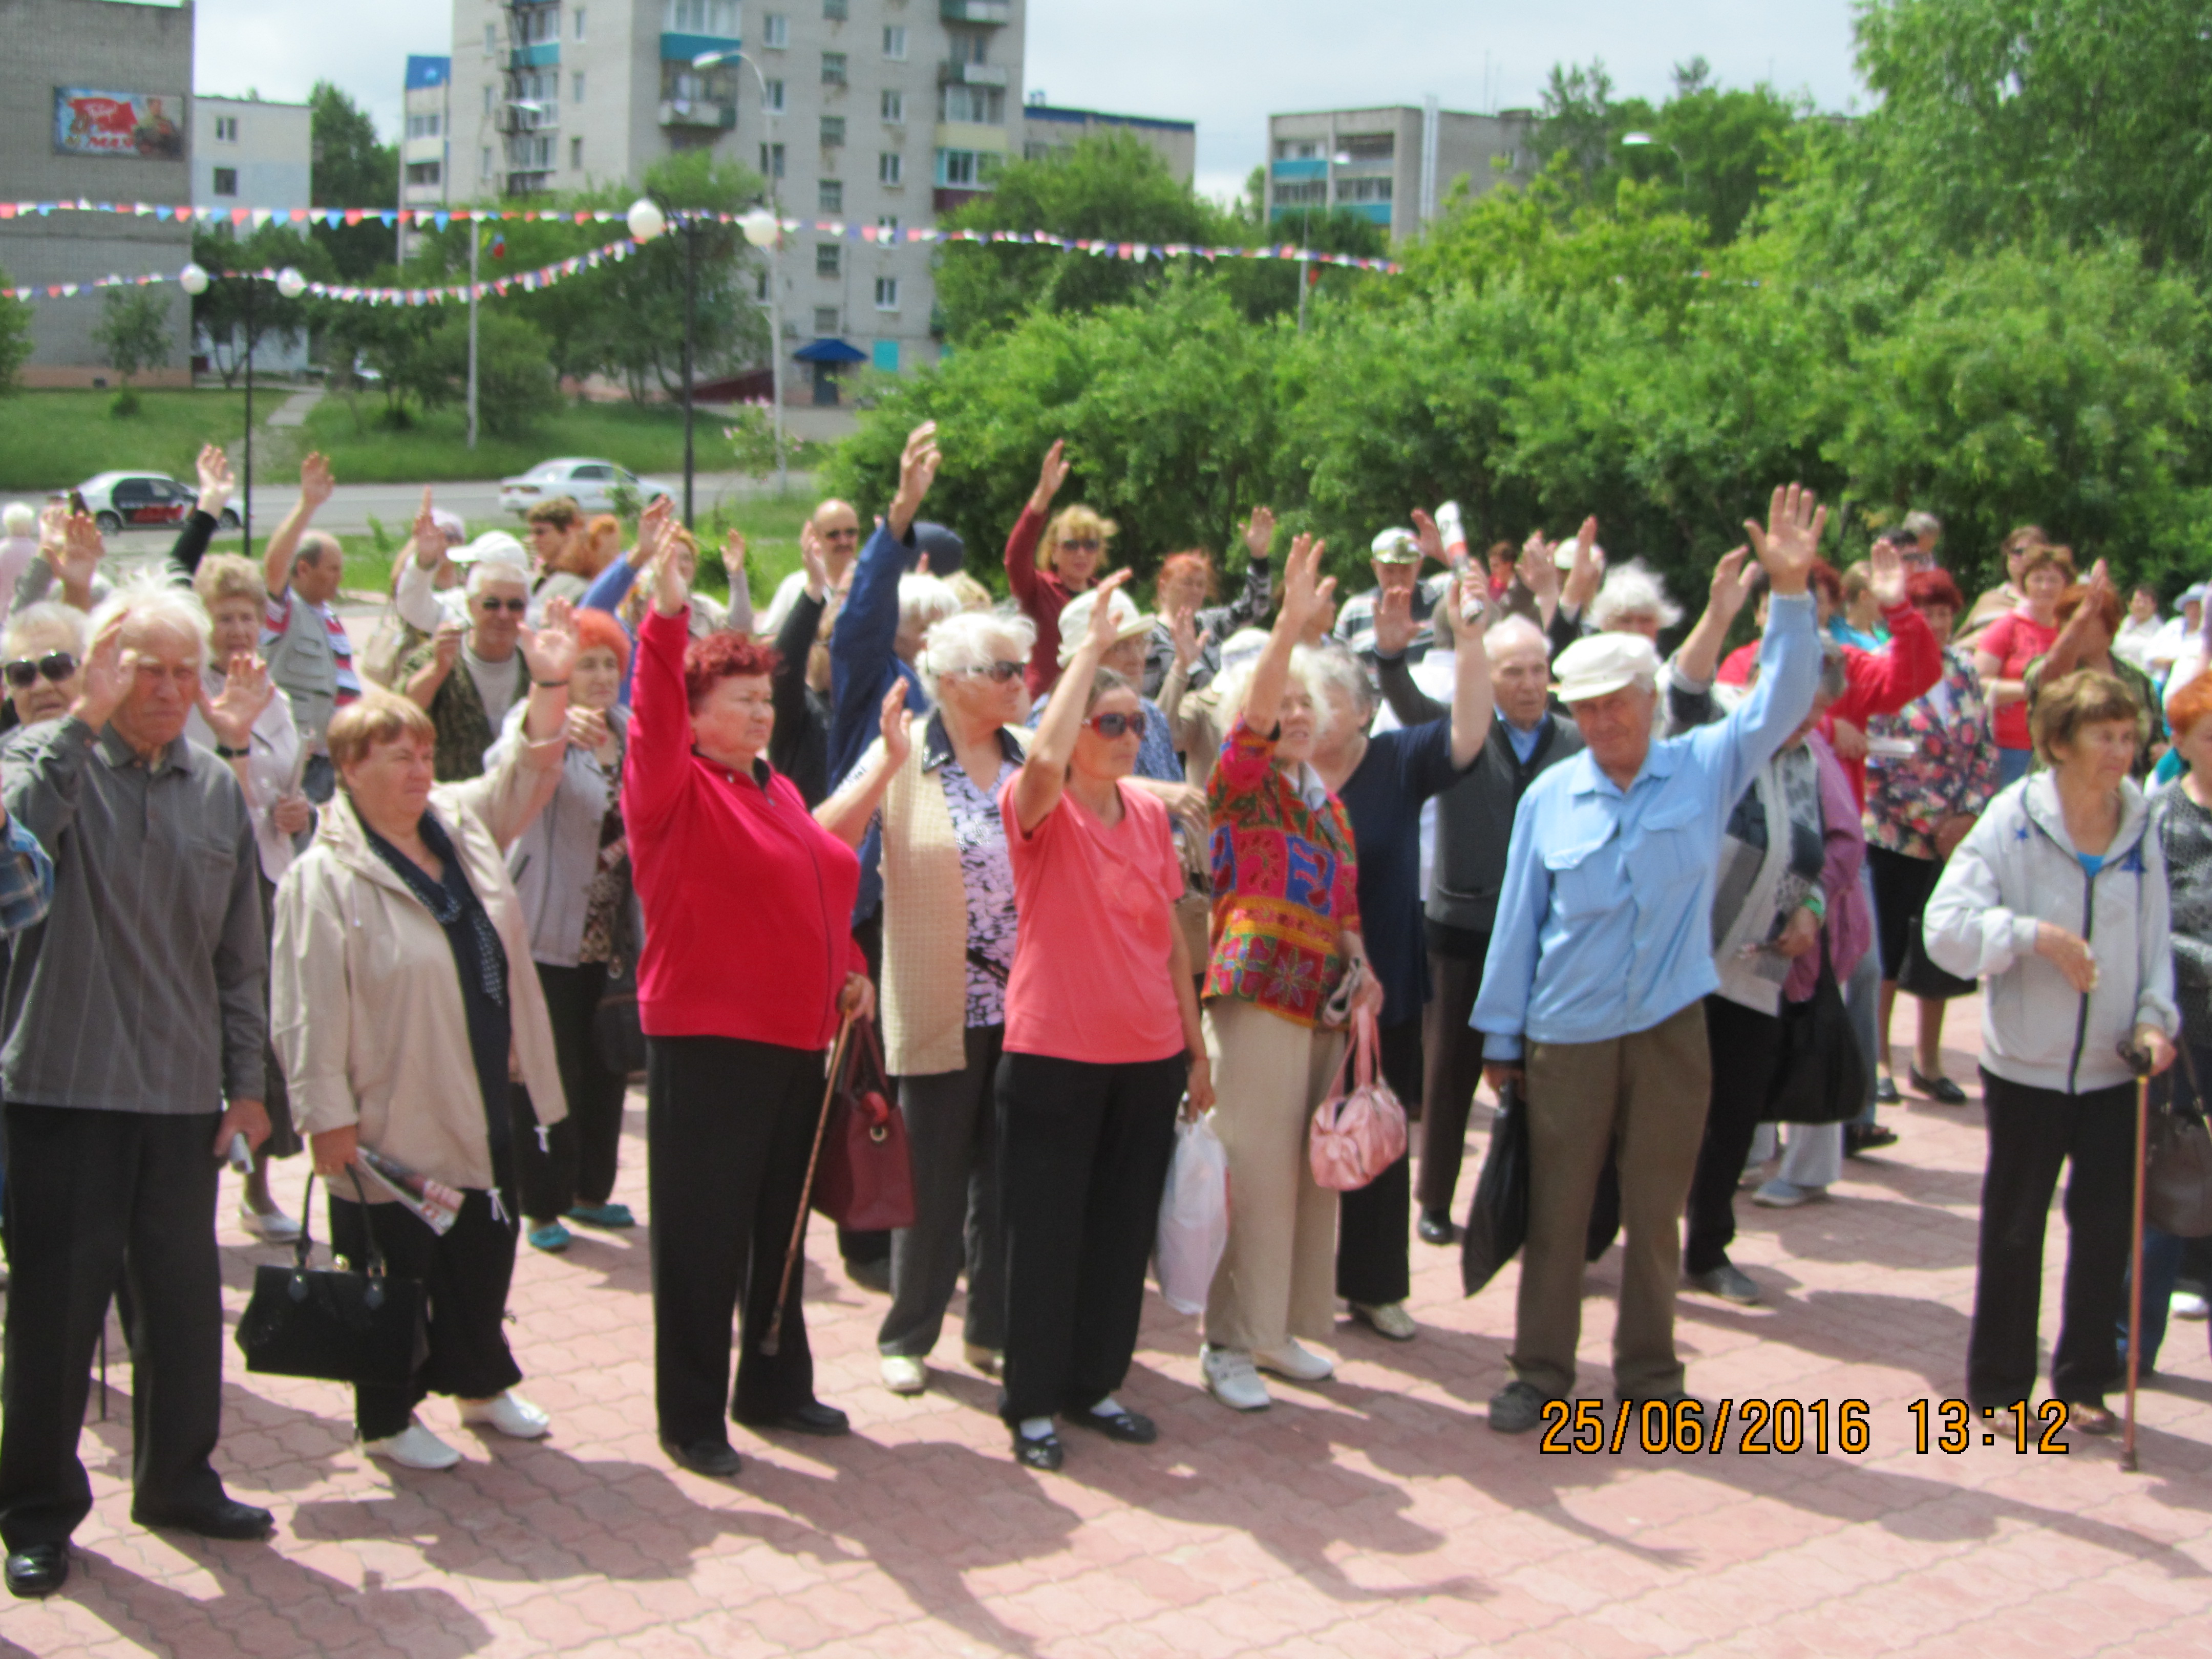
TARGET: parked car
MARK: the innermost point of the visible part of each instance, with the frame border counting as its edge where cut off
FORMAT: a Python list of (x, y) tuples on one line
[(129, 501), (589, 483)]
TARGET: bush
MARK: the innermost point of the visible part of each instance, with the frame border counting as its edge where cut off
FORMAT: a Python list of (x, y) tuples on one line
[(515, 385)]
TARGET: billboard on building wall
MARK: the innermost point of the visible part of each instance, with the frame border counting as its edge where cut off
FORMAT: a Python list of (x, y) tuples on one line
[(144, 124)]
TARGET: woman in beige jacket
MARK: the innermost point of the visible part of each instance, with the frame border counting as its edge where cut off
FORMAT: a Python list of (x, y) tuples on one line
[(402, 997)]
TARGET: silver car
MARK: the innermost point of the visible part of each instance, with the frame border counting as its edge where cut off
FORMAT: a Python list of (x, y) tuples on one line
[(588, 481)]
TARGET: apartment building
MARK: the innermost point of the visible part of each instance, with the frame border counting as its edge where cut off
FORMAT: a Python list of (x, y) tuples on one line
[(1394, 165), (873, 115), (426, 143), (254, 153), (1050, 130)]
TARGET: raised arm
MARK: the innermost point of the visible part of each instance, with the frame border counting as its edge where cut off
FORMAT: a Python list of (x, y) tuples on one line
[(847, 813), (740, 617), (1883, 682), (1472, 704), (415, 584), (1303, 597), (191, 542), (2065, 652), (658, 747), (794, 643), (1044, 773), (1022, 540), (1698, 658), (1249, 606), (1789, 656), (315, 487)]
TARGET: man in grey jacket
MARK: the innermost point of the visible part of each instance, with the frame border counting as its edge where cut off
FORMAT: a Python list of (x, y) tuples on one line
[(134, 1011)]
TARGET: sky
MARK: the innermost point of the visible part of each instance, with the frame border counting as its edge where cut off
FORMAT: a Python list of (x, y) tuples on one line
[(1226, 65)]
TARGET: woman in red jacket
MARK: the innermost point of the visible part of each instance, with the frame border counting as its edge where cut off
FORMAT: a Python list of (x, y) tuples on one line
[(1044, 582), (748, 963)]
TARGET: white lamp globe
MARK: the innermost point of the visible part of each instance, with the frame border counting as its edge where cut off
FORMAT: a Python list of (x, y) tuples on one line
[(760, 228), (193, 279), (290, 283), (646, 220)]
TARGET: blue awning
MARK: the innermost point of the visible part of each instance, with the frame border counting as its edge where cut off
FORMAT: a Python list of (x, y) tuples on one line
[(829, 351)]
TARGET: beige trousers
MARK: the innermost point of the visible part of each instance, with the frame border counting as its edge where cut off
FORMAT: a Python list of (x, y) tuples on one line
[(1278, 1277)]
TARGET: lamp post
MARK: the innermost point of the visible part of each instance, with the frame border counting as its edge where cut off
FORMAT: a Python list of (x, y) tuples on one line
[(763, 228), (1645, 141), (195, 279)]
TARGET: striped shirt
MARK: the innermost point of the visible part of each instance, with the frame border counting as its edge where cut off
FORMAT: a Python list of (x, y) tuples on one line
[(310, 657)]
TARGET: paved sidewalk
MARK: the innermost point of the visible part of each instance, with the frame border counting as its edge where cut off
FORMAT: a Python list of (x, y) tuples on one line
[(1373, 1516)]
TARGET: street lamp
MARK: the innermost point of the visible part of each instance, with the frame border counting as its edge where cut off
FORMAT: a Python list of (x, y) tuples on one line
[(195, 279), (1644, 140), (763, 228)]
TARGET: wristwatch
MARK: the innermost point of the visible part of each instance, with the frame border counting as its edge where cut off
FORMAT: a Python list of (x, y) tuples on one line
[(228, 753)]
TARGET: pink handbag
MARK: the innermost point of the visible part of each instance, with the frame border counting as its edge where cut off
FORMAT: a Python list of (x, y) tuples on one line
[(1357, 1135)]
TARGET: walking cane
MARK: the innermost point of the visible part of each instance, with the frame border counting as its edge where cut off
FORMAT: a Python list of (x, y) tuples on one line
[(2139, 1061), (774, 1338)]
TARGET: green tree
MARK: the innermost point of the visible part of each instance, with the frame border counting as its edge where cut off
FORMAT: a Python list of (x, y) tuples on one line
[(350, 169), (14, 338), (231, 320), (514, 383), (135, 334)]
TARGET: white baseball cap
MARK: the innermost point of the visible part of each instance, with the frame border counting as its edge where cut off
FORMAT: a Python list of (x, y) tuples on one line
[(496, 546), (1598, 665), (1563, 555), (1075, 621), (1396, 545)]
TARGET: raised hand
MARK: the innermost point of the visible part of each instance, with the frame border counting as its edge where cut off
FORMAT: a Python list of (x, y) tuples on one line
[(1183, 627), (1429, 539), (248, 692), (897, 726), (549, 648), (816, 562), (651, 532), (734, 554), (217, 483), (1791, 541), (81, 550), (672, 589), (1395, 626), (429, 541), (1733, 579), (1259, 531), (1887, 574), (1098, 638), (315, 481), (446, 643), (1306, 592), (108, 672), (1051, 474), (1588, 569), (53, 530), (918, 465)]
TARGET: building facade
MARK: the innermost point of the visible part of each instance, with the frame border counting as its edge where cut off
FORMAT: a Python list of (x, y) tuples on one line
[(254, 153), (426, 144), (94, 104), (1394, 166), (874, 116), (1050, 130)]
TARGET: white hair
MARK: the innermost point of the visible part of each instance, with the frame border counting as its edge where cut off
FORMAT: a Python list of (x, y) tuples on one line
[(1310, 671), (485, 572), (1514, 629), (1632, 590), (925, 601), (20, 519), (146, 599), (962, 644), (1334, 668), (46, 617)]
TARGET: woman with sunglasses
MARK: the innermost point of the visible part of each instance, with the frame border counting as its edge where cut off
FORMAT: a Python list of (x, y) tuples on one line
[(43, 650), (948, 920), (1102, 1037), (1043, 582)]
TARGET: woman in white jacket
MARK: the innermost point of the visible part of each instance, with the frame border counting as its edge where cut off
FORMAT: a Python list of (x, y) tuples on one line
[(2058, 900)]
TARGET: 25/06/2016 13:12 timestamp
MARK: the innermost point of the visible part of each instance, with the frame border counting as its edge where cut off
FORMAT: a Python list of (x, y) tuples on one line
[(1766, 1427)]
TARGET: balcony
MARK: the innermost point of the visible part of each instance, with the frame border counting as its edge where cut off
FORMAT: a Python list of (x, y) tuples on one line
[(541, 54), (540, 117), (1309, 167), (972, 75), (697, 113), (682, 48), (977, 11)]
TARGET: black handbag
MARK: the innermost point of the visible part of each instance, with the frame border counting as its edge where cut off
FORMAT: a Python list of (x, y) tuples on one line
[(1820, 1075), (328, 1323), (1917, 975), (2177, 1164), (1497, 1220), (617, 1035)]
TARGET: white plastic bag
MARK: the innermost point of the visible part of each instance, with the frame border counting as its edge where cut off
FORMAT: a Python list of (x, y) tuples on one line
[(1194, 1216)]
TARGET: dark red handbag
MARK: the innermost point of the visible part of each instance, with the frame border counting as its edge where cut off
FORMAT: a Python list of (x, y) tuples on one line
[(864, 1179)]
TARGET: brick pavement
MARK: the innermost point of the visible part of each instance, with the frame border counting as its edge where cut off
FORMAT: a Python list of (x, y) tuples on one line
[(1376, 1514)]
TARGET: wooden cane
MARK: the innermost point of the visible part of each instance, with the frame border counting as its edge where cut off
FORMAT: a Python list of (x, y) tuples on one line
[(2136, 1270), (773, 1340)]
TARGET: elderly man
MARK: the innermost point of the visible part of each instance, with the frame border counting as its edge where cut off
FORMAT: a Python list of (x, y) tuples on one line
[(1475, 825), (1593, 990), (133, 1011), (838, 533), (1395, 556), (309, 652), (466, 676)]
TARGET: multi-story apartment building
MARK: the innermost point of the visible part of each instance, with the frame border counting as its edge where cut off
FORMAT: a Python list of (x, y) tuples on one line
[(1050, 130), (873, 116), (255, 153), (1394, 165), (426, 143)]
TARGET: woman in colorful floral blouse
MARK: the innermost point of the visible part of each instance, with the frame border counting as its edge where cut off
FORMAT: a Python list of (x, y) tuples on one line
[(1286, 935), (1919, 806)]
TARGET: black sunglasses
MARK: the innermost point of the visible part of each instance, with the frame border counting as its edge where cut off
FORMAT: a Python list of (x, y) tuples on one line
[(55, 665), (1081, 544), (1113, 725), (518, 606), (999, 671)]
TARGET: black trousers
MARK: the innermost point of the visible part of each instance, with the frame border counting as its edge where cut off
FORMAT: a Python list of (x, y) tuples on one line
[(1746, 1046), (1083, 1155), (2032, 1133), (577, 1161), (857, 1245), (1454, 1071), (465, 1273), (729, 1128), (1374, 1223), (98, 1202), (952, 1137)]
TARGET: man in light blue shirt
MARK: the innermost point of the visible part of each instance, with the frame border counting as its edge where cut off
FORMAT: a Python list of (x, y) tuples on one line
[(1593, 991)]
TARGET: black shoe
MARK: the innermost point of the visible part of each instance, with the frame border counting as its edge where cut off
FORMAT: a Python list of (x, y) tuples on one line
[(225, 1518), (874, 1275), (1940, 1089), (715, 1459), (1885, 1091), (1435, 1228), (1861, 1138), (1130, 1428), (1518, 1407), (814, 1418), (38, 1569), (1046, 1454)]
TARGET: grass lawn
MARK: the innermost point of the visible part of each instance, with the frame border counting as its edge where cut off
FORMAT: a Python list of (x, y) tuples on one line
[(52, 440)]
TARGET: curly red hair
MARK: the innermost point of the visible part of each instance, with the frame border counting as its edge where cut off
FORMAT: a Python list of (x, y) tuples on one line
[(722, 657), (597, 631), (2189, 705)]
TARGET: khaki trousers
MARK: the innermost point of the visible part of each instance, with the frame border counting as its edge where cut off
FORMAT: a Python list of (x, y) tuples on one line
[(1278, 1277), (1650, 1089)]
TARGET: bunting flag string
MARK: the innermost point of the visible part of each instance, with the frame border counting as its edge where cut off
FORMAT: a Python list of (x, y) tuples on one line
[(521, 282)]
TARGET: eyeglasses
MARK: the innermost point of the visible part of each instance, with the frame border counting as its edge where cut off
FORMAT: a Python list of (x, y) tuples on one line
[(840, 535), (998, 671), (517, 606), (55, 665), (1081, 544), (1113, 725)]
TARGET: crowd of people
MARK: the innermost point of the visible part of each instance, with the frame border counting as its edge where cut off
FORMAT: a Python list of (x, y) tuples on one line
[(567, 822)]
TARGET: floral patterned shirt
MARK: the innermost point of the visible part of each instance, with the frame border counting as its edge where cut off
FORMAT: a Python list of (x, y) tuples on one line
[(1286, 882), (1952, 770), (989, 878)]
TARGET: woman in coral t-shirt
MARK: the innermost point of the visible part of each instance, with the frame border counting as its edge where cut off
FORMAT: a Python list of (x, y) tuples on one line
[(1102, 1038), (2006, 647)]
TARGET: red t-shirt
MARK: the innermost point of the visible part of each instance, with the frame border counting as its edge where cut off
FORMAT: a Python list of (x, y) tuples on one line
[(1094, 909), (2015, 640)]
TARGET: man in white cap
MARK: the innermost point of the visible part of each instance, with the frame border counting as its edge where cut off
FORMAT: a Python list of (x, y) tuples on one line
[(466, 676), (1592, 999), (1396, 556)]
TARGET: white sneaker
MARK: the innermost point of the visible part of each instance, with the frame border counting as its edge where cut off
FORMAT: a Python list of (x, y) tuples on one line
[(1230, 1379), (903, 1373), (1299, 1364), (274, 1227), (2187, 1305), (1388, 1319), (511, 1415), (413, 1448)]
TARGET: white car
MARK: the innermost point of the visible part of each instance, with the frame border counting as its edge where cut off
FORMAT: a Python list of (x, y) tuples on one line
[(142, 500), (587, 482)]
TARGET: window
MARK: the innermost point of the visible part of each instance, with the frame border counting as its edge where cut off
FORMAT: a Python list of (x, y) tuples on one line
[(887, 294), (887, 227), (966, 169), (1304, 195), (833, 69), (226, 181), (576, 88), (483, 167), (579, 30), (226, 129), (418, 126), (826, 261), (717, 18), (894, 42), (760, 285), (1368, 147), (888, 165), (487, 100), (978, 105), (825, 319), (831, 196), (423, 173), (1297, 150), (575, 155), (774, 94), (833, 131), (772, 160), (491, 37), (969, 45), (537, 23), (1363, 190), (836, 10), (894, 106), (775, 29)]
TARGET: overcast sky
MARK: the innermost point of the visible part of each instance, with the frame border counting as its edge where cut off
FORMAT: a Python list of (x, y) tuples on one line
[(1226, 65)]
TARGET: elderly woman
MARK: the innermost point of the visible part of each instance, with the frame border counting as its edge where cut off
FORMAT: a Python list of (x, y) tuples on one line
[(2004, 649), (1931, 768), (948, 951), (1633, 600), (44, 649), (266, 765), (1044, 579), (571, 868), (398, 1011), (2009, 594), (2088, 619), (1286, 940), (1102, 1035), (2065, 849), (749, 963), (1187, 586)]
